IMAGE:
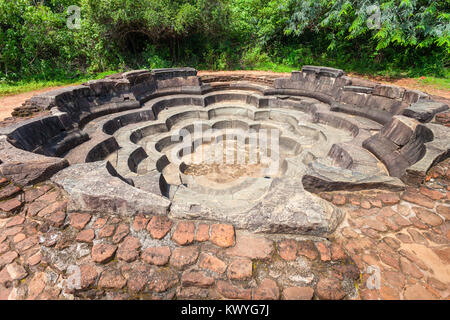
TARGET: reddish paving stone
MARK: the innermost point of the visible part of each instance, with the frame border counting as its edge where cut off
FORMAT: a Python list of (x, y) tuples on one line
[(392, 243), (349, 233), (140, 223), (184, 233), (390, 259), (298, 293), (106, 231), (182, 257), (7, 258), (9, 191), (267, 290), (324, 251), (435, 283), (34, 208), (228, 290), (102, 253), (99, 223), (287, 249), (443, 254), (240, 269), (10, 205), (444, 211), (52, 208), (393, 278), (354, 200), (128, 249), (27, 243), (137, 281), (388, 293), (16, 271), (339, 200), (430, 193), (368, 294), (222, 235), (410, 269), (158, 256), (33, 194), (418, 224), (418, 199), (371, 259), (85, 236), (375, 202), (88, 277), (191, 293), (307, 249), (252, 247), (388, 198), (121, 232), (212, 263), (417, 292), (57, 218), (435, 237), (399, 220), (19, 237), (417, 236), (79, 220), (196, 279), (15, 221), (4, 247), (403, 237), (413, 258), (202, 233), (162, 279), (5, 278), (35, 259), (329, 289), (337, 252), (51, 196), (365, 204), (159, 226), (428, 217), (111, 279), (36, 285), (374, 224)]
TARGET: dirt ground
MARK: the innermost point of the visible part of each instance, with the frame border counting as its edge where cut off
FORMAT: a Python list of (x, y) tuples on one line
[(8, 103)]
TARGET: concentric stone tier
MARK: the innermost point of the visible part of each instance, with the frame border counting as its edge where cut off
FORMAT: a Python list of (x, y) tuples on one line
[(116, 136)]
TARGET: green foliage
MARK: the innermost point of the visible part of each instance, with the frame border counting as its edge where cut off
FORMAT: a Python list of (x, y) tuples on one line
[(411, 37)]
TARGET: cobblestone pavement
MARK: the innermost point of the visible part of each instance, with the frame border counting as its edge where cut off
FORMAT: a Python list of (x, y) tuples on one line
[(392, 245)]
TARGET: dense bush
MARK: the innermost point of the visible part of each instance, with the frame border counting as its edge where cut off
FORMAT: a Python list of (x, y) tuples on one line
[(409, 36)]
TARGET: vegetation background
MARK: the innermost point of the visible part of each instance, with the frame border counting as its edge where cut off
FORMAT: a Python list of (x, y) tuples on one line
[(38, 49)]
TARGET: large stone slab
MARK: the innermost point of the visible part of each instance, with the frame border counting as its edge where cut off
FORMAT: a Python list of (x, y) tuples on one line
[(27, 168), (286, 208), (96, 187), (424, 111)]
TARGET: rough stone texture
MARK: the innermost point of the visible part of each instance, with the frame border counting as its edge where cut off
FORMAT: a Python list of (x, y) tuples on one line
[(298, 293), (158, 256), (88, 192), (102, 253), (182, 257), (222, 235), (267, 290), (329, 289), (403, 233), (240, 269), (159, 226), (252, 247), (184, 233)]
